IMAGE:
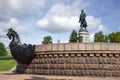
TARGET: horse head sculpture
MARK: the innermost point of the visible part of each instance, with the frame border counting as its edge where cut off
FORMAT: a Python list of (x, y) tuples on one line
[(13, 36), (22, 53)]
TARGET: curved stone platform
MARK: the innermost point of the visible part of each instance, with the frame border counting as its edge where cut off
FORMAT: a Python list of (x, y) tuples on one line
[(75, 59)]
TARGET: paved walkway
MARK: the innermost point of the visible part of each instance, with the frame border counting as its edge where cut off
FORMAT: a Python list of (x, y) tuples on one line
[(13, 76)]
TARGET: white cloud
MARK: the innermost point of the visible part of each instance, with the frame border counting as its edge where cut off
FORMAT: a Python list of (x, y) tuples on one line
[(20, 8), (92, 37), (63, 10), (61, 18), (93, 22), (101, 28), (12, 12), (58, 24), (12, 23)]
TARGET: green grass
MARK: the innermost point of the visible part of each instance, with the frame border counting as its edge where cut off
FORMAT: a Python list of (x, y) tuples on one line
[(6, 65)]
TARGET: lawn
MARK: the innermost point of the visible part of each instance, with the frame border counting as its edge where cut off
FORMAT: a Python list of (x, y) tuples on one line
[(6, 65)]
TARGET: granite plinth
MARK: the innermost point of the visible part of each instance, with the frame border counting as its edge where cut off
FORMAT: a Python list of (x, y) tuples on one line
[(75, 59)]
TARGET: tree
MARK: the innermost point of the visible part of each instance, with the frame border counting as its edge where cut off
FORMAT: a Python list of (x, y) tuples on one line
[(106, 38), (111, 37), (114, 37), (73, 36), (3, 51), (99, 37), (47, 40)]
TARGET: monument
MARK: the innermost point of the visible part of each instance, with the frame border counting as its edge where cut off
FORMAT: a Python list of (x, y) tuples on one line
[(22, 53), (83, 34), (70, 59)]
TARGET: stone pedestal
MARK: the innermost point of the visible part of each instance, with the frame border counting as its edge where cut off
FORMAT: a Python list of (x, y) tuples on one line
[(83, 36), (75, 59)]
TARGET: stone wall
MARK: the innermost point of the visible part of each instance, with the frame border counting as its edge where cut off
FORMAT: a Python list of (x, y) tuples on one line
[(75, 59)]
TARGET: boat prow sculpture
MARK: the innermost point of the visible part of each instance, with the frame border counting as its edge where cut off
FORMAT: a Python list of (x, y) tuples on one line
[(22, 53)]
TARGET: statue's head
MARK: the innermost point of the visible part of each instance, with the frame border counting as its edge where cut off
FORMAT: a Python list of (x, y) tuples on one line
[(82, 11), (10, 29), (10, 33)]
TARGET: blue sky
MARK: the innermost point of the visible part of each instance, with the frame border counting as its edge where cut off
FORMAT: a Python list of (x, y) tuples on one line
[(34, 19)]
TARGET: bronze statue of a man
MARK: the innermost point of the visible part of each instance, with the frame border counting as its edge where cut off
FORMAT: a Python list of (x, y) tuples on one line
[(82, 20)]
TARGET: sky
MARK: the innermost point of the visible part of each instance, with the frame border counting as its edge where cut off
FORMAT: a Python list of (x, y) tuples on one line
[(35, 19)]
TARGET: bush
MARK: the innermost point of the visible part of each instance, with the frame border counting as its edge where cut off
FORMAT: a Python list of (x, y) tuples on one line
[(7, 57), (3, 51)]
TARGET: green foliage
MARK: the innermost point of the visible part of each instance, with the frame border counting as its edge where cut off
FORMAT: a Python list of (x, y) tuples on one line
[(47, 40), (114, 37), (3, 51), (106, 38), (100, 37), (111, 37), (6, 65), (6, 57), (73, 36)]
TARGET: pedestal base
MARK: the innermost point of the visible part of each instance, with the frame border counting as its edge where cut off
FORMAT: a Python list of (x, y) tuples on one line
[(83, 36)]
